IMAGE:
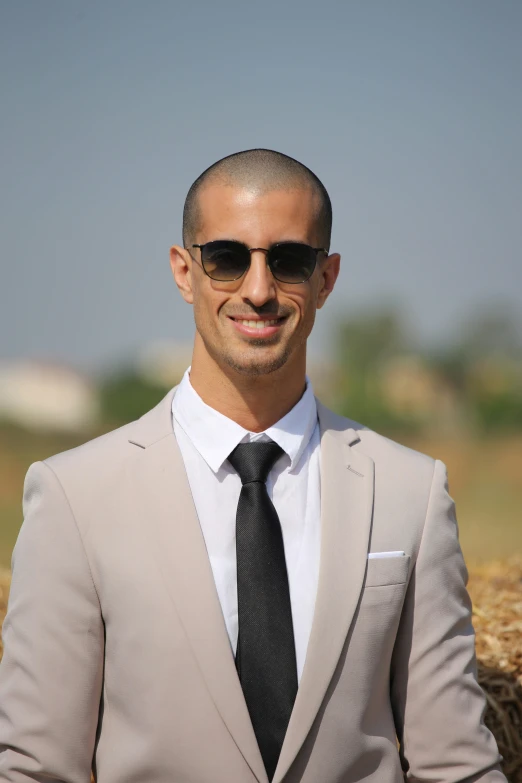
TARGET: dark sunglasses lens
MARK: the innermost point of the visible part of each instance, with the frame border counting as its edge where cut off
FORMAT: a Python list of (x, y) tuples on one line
[(292, 262), (224, 260)]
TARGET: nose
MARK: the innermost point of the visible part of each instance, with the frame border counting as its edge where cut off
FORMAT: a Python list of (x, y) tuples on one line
[(259, 284)]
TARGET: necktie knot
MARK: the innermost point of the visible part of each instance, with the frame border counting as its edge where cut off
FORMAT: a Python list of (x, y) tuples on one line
[(254, 461)]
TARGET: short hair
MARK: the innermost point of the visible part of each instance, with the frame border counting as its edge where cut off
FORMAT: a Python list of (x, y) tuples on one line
[(259, 168)]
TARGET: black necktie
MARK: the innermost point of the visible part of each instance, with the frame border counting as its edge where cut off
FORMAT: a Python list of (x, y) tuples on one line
[(265, 657)]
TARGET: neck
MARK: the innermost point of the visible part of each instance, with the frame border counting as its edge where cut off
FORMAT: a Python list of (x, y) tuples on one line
[(255, 402)]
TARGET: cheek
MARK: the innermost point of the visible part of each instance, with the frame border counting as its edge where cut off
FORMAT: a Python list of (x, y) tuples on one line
[(207, 304), (307, 307), (307, 304)]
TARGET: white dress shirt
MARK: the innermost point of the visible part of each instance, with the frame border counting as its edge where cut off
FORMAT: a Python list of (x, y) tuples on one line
[(206, 438)]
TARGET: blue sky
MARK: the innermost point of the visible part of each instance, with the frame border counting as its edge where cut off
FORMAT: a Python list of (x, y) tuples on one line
[(410, 112)]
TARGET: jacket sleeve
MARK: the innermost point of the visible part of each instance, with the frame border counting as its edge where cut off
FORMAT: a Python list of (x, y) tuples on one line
[(52, 670), (438, 704)]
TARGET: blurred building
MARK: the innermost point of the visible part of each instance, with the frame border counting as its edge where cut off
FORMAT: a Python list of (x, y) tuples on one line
[(413, 390), (322, 374), (163, 363), (46, 395)]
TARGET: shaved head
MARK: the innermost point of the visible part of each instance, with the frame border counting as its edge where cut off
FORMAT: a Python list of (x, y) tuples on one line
[(259, 171)]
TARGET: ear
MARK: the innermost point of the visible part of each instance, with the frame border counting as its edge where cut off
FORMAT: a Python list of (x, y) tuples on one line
[(181, 265), (328, 271)]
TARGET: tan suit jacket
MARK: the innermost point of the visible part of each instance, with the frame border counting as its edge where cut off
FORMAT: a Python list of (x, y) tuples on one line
[(116, 651)]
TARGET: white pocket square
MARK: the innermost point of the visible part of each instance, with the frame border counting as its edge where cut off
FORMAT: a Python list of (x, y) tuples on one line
[(378, 555)]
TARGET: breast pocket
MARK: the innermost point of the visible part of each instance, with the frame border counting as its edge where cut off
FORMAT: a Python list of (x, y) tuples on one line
[(387, 571)]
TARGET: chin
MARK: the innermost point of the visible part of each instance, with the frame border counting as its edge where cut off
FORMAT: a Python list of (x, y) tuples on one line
[(254, 366)]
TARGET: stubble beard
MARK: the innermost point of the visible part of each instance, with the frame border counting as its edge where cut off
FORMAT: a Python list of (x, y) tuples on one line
[(253, 368)]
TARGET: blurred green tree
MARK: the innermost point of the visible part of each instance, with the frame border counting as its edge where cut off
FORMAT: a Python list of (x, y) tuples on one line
[(484, 367), (365, 343), (125, 395), (388, 383)]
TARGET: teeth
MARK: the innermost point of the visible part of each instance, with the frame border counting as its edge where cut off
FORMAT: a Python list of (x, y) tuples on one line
[(258, 324)]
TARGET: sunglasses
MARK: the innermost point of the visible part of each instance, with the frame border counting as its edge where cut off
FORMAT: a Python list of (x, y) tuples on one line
[(290, 262)]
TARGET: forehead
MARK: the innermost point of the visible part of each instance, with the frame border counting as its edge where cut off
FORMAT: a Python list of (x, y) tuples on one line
[(257, 216)]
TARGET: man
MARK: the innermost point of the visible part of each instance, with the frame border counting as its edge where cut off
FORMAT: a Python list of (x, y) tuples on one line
[(242, 586)]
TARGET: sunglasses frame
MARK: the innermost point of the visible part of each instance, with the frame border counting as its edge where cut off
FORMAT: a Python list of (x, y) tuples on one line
[(262, 250)]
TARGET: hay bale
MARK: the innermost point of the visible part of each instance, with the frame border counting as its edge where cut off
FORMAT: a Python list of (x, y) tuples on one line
[(496, 591)]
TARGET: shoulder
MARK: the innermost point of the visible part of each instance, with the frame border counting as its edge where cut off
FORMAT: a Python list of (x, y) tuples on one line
[(111, 445), (108, 453), (387, 454), (403, 480)]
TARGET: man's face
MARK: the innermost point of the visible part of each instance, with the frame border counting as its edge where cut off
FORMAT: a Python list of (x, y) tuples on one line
[(221, 309)]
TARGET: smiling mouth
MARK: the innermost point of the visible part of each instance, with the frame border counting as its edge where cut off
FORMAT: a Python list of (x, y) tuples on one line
[(260, 328), (258, 323)]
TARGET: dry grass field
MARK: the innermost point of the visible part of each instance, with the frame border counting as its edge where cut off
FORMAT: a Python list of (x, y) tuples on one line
[(18, 449), (485, 479)]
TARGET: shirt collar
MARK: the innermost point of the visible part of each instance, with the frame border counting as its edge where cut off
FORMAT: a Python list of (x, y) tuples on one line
[(214, 435)]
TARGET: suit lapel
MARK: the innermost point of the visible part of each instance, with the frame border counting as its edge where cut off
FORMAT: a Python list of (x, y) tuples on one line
[(165, 498), (346, 513)]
